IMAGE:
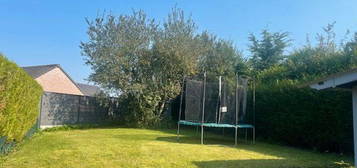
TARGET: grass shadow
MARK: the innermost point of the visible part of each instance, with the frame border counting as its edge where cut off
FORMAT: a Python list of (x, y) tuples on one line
[(262, 163), (197, 140), (290, 154), (211, 136), (84, 127)]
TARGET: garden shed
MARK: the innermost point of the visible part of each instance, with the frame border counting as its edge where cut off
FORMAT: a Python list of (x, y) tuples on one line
[(346, 80)]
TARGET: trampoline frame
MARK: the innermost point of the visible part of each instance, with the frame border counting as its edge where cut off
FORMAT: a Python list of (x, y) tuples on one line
[(202, 124)]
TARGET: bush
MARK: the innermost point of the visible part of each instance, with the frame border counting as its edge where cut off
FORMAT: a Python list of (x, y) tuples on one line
[(139, 110), (303, 117), (19, 101)]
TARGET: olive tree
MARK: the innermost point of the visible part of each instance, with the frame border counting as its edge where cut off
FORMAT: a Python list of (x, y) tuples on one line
[(220, 57), (143, 62)]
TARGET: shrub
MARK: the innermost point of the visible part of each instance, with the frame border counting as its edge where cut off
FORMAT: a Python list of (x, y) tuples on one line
[(19, 101), (303, 117), (139, 110)]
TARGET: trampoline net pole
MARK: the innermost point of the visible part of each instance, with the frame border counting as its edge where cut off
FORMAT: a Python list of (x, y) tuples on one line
[(236, 136), (203, 106), (254, 101), (203, 98), (254, 85), (201, 133), (180, 109), (181, 98), (236, 111), (178, 131), (237, 99), (254, 135), (220, 99)]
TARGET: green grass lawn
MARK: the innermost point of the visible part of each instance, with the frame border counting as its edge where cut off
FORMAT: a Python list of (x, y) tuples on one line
[(123, 147)]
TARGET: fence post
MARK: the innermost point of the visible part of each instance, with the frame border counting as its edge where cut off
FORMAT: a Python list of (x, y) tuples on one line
[(79, 108), (40, 111)]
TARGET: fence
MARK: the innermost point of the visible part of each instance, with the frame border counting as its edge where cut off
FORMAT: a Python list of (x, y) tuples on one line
[(64, 109)]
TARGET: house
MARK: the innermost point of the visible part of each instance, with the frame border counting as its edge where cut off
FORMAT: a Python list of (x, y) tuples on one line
[(89, 90), (64, 101), (346, 80), (54, 79)]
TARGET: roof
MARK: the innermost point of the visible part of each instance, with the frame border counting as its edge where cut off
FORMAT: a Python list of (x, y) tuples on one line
[(346, 79), (38, 70), (89, 90)]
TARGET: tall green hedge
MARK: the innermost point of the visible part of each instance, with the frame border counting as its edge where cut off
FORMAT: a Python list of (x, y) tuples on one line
[(19, 101), (304, 117)]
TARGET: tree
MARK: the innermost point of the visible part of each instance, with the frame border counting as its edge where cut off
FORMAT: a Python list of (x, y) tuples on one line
[(220, 57), (269, 50), (350, 50), (142, 61), (326, 57), (118, 50), (176, 51), (313, 61)]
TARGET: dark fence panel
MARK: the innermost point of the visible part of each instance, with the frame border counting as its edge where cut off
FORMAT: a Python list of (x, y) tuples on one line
[(65, 109)]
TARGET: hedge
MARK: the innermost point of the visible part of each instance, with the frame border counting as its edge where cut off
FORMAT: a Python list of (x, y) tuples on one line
[(19, 101), (303, 117)]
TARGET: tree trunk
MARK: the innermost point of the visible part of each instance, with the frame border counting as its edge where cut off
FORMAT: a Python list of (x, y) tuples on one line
[(162, 106), (161, 109)]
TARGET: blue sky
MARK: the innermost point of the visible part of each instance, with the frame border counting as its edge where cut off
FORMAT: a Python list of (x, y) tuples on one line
[(35, 32)]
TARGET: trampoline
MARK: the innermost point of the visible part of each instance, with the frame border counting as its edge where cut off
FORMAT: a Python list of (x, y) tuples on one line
[(216, 103)]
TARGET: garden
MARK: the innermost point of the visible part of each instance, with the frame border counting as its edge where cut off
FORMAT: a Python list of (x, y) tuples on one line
[(142, 64)]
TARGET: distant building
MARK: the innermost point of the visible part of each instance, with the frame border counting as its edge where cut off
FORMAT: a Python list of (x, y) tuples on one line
[(53, 78), (89, 90)]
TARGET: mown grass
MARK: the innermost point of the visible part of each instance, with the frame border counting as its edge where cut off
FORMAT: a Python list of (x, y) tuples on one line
[(129, 148)]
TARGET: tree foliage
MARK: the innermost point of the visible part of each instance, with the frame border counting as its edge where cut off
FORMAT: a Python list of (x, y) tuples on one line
[(269, 50), (118, 51), (313, 61), (304, 117), (144, 62), (19, 101), (220, 57)]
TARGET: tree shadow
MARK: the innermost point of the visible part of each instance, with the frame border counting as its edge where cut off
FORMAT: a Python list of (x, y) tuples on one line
[(212, 136), (290, 156), (263, 163), (100, 125), (197, 140)]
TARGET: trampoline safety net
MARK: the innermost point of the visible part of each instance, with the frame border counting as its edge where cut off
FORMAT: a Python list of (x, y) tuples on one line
[(193, 100), (224, 102)]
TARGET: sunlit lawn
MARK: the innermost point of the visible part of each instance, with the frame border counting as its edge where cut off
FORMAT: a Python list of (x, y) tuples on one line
[(122, 147)]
